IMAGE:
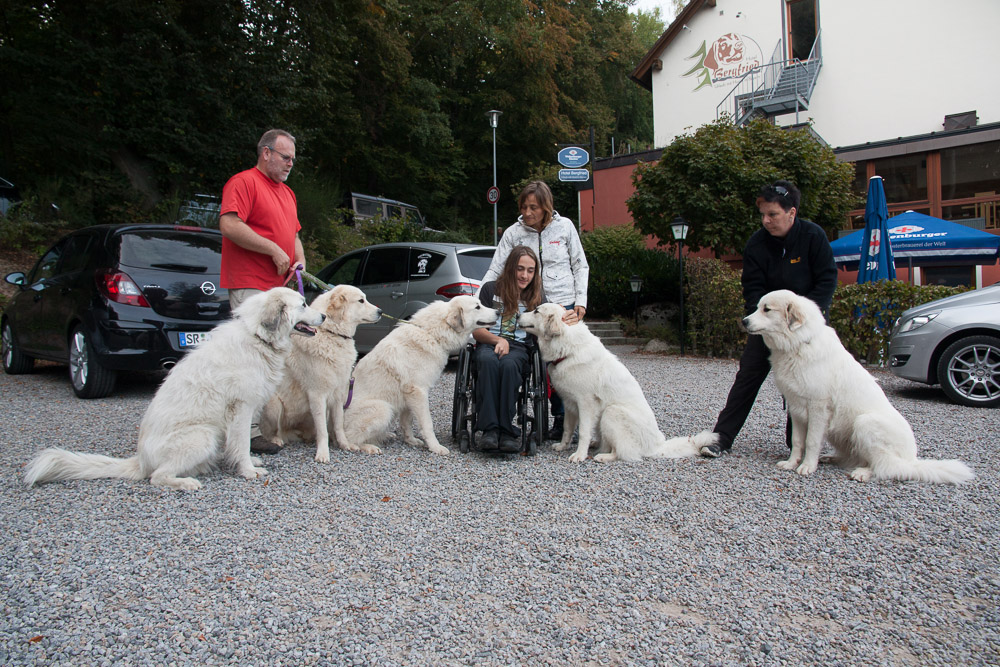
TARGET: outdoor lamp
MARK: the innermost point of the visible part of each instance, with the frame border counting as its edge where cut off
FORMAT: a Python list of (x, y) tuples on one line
[(635, 282), (680, 229), (494, 115)]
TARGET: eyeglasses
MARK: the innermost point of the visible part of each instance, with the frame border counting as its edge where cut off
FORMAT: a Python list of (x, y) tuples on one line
[(290, 159)]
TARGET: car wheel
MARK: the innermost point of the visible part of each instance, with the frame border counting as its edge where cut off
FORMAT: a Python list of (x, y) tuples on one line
[(90, 379), (969, 371), (14, 362)]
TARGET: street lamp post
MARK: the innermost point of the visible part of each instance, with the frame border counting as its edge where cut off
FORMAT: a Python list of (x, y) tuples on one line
[(680, 229), (494, 117), (635, 282)]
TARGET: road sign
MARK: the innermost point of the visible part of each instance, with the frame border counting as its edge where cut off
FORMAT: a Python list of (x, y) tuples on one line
[(574, 175), (573, 156), (493, 194)]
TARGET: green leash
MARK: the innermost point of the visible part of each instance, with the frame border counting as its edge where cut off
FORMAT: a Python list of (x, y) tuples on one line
[(326, 288)]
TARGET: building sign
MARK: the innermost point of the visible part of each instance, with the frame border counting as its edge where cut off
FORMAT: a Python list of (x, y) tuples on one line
[(724, 60)]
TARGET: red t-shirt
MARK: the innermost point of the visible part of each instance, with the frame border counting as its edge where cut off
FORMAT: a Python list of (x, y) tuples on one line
[(269, 209)]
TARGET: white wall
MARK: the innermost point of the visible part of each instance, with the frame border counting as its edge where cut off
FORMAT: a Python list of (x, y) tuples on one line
[(891, 68)]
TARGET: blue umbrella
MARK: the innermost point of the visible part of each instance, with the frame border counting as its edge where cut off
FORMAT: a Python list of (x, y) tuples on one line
[(876, 251)]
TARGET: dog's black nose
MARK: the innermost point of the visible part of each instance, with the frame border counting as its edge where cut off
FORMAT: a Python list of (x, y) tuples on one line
[(745, 320)]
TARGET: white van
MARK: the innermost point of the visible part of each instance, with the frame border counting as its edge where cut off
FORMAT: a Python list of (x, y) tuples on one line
[(366, 207)]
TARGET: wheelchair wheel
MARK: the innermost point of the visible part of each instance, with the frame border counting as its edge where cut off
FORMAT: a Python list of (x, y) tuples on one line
[(538, 396), (460, 430)]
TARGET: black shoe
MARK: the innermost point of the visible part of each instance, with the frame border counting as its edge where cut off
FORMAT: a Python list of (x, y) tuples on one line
[(556, 432), (710, 451), (510, 444), (489, 440), (261, 445)]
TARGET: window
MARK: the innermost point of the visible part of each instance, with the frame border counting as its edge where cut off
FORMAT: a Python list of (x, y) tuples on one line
[(904, 177), (970, 171), (46, 267), (77, 253), (953, 276), (423, 263), (344, 273), (386, 265), (168, 249)]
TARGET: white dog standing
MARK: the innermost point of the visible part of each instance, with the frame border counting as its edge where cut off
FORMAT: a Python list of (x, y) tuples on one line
[(310, 400), (208, 399), (600, 395), (396, 376), (832, 398)]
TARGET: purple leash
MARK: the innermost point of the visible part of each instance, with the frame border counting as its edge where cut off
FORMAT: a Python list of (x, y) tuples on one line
[(350, 394), (298, 277)]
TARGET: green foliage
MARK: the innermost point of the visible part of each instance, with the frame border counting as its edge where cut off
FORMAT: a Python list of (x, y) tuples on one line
[(712, 177), (863, 315), (714, 307), (614, 255), (31, 226)]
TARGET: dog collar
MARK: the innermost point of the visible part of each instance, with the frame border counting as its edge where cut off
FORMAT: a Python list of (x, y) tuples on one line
[(334, 333), (556, 361)]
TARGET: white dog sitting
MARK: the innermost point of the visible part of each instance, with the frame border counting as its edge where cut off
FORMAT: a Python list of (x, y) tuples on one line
[(599, 393), (832, 398)]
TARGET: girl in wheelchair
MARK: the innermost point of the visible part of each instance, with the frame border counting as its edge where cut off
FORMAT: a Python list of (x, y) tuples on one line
[(501, 355)]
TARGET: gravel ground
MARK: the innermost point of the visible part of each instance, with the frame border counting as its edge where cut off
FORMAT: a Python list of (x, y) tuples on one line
[(415, 559)]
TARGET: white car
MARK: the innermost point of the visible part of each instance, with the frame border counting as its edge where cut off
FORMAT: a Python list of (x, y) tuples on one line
[(954, 342)]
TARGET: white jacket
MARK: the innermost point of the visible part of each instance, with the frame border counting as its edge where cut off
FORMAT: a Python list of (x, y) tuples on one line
[(564, 267)]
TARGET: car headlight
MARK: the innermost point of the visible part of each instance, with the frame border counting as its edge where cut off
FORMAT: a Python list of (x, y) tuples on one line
[(917, 322)]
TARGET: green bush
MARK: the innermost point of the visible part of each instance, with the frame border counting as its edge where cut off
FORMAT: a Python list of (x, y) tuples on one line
[(863, 315), (714, 307), (617, 253)]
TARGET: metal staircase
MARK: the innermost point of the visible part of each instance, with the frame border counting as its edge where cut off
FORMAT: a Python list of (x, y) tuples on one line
[(774, 89)]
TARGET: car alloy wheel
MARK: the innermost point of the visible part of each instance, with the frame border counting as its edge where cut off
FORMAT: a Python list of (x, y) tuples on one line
[(89, 378), (14, 363), (969, 371)]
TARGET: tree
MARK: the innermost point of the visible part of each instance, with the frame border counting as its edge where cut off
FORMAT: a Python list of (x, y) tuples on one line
[(711, 178)]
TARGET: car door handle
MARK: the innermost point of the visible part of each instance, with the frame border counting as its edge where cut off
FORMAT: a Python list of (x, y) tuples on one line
[(396, 295)]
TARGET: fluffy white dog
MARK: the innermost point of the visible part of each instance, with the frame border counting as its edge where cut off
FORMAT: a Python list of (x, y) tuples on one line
[(207, 401), (395, 377), (317, 380), (832, 398), (599, 393)]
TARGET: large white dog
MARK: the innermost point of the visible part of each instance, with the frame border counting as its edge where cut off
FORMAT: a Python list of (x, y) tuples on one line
[(317, 380), (599, 393), (395, 377), (206, 402), (832, 398)]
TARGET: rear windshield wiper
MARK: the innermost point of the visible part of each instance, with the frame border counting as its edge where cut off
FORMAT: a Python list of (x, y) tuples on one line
[(180, 267)]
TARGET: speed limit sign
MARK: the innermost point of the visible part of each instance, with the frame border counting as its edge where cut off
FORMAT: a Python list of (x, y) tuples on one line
[(493, 194)]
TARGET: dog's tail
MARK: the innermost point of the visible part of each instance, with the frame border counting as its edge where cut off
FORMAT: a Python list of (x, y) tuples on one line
[(949, 471), (688, 445), (56, 464)]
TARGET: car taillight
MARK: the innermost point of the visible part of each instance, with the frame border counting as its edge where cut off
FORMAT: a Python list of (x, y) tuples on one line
[(118, 287), (457, 289)]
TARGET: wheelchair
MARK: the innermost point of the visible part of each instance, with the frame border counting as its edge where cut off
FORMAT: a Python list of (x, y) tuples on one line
[(531, 414)]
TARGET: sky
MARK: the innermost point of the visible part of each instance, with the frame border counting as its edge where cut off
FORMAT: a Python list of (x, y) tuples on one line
[(666, 13)]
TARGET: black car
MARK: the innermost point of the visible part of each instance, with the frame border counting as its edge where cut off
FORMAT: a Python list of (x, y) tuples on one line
[(115, 297)]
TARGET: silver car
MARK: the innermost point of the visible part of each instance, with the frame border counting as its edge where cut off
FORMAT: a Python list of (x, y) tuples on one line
[(954, 342), (402, 278)]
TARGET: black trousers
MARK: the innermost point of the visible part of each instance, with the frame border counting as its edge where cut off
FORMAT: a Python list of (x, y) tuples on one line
[(755, 364), (498, 379)]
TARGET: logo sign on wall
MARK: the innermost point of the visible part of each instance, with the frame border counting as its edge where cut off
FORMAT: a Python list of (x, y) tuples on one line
[(730, 56), (573, 157)]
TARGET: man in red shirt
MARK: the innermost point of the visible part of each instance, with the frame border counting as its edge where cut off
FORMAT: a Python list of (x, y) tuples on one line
[(259, 221), (260, 232)]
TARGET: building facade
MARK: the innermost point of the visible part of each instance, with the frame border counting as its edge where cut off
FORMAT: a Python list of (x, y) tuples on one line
[(904, 89)]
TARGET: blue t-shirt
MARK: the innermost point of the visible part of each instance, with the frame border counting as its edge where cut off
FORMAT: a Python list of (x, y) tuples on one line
[(505, 326)]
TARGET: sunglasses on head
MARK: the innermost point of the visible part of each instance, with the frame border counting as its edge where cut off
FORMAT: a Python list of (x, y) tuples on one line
[(781, 190)]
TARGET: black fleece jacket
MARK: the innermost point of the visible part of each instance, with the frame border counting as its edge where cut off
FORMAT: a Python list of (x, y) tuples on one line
[(801, 262)]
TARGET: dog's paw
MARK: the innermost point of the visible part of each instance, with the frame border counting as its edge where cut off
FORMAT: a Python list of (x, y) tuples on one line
[(790, 464), (256, 460), (578, 457), (322, 456), (560, 446), (806, 469), (413, 441), (861, 474), (606, 457), (348, 447), (369, 449), (439, 449)]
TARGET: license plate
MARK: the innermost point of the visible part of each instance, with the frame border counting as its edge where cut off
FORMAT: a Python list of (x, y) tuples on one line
[(194, 339)]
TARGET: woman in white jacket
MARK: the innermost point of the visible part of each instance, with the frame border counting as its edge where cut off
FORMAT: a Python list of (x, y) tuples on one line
[(564, 266)]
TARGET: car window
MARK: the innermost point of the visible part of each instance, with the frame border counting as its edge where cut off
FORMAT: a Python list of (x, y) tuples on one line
[(46, 266), (474, 263), (385, 265), (76, 253), (343, 272), (171, 249), (423, 263)]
